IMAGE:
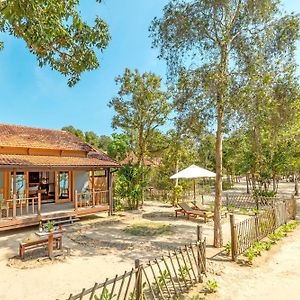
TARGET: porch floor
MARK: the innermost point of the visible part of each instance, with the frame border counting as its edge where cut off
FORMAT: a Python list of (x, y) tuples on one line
[(48, 211)]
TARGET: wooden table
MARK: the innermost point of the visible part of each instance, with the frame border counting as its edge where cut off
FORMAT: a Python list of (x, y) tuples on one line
[(50, 236)]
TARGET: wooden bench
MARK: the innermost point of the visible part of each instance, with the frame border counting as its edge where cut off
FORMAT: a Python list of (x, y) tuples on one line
[(24, 246)]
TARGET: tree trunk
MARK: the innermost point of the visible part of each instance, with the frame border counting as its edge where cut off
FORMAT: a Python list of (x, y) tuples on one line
[(274, 183), (247, 182), (296, 185), (218, 239)]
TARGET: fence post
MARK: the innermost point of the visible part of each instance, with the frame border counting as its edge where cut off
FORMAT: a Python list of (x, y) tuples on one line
[(256, 227), (199, 233), (199, 246), (138, 279), (233, 238)]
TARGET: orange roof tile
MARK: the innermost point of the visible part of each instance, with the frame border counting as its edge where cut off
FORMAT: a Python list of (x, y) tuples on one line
[(39, 161), (28, 137)]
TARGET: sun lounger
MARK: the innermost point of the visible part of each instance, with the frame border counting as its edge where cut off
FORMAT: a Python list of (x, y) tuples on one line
[(185, 209)]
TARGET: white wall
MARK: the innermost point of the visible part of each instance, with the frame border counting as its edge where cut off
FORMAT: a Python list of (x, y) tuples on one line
[(81, 181)]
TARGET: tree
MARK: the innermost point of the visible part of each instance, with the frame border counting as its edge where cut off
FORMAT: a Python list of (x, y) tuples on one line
[(56, 34), (102, 142), (119, 146), (205, 42), (76, 132), (141, 107)]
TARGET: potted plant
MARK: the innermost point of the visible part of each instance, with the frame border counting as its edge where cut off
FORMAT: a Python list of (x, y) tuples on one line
[(50, 226)]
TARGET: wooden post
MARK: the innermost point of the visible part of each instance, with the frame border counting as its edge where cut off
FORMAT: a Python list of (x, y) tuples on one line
[(93, 188), (110, 193), (56, 174), (138, 280), (256, 227), (27, 184), (199, 240), (294, 206), (39, 210), (76, 201), (14, 182), (199, 233), (233, 238), (14, 206)]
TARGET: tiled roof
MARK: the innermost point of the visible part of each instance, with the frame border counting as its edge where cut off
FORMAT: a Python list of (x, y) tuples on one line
[(28, 137), (39, 161)]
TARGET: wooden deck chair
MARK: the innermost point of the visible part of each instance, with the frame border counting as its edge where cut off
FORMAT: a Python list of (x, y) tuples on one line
[(185, 209)]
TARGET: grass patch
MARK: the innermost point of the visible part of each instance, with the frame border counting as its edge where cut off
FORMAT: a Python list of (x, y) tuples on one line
[(146, 229)]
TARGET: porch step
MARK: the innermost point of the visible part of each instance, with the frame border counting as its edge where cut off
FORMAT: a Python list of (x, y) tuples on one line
[(67, 221)]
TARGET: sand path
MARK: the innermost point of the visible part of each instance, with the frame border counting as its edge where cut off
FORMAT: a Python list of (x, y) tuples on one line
[(275, 275)]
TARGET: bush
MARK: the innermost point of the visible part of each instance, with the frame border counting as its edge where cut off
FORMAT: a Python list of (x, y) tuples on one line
[(130, 184), (177, 194), (226, 185), (260, 193)]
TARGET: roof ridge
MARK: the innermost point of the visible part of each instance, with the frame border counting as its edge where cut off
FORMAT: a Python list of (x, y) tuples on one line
[(31, 127)]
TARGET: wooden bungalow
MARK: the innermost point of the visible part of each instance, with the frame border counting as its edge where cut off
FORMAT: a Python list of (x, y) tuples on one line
[(50, 174)]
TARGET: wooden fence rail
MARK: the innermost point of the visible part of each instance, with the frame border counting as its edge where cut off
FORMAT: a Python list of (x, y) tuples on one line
[(91, 199), (245, 233), (165, 278), (10, 209), (250, 201)]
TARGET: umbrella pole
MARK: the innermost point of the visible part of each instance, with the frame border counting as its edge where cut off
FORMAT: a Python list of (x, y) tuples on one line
[(194, 190)]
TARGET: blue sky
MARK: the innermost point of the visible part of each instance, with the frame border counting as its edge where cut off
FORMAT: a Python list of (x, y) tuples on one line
[(40, 97)]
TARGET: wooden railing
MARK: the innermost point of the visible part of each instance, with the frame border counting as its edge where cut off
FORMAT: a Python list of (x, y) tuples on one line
[(245, 233), (10, 209), (168, 277), (91, 199)]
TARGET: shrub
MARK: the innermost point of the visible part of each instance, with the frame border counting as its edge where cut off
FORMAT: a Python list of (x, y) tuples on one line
[(177, 194), (212, 286), (130, 184), (261, 193), (226, 185)]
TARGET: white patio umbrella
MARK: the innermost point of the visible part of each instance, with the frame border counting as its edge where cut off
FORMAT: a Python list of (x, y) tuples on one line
[(193, 172)]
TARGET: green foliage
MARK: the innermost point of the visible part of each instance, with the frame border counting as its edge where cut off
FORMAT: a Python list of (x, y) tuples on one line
[(162, 279), (183, 273), (212, 286), (56, 34), (49, 225), (119, 147), (130, 183), (227, 248), (231, 207), (233, 65), (119, 207), (226, 185), (250, 253), (140, 108), (149, 229), (196, 297), (261, 193), (107, 295), (177, 194), (90, 137)]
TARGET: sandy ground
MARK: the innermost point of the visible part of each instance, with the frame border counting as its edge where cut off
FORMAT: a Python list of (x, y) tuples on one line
[(274, 275), (98, 247)]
